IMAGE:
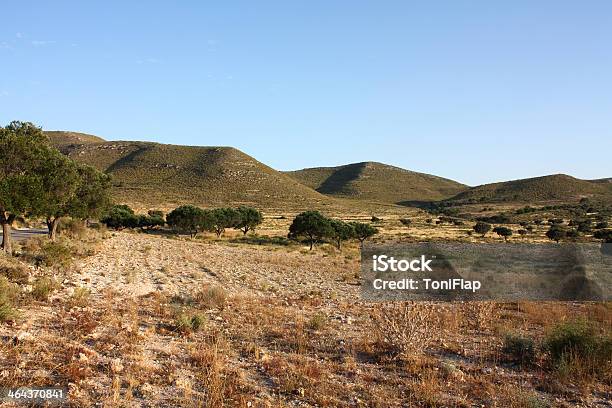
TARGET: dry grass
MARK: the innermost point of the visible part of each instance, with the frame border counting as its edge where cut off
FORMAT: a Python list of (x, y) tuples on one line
[(274, 327)]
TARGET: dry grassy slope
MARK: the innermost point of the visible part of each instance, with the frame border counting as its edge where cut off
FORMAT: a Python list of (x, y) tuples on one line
[(151, 175), (62, 138), (376, 182), (553, 187)]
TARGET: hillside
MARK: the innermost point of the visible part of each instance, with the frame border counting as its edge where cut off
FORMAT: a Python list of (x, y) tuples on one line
[(376, 182), (554, 187), (62, 138), (150, 175)]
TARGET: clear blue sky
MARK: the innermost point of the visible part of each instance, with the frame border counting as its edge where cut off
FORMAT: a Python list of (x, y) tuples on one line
[(476, 91)]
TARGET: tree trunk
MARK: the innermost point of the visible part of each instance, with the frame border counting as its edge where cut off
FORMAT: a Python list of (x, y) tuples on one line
[(311, 243), (6, 236), (52, 227), (338, 243), (245, 230)]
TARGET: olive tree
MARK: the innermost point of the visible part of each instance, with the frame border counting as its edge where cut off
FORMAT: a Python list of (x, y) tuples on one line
[(248, 219), (341, 231), (23, 149), (189, 219), (223, 218), (556, 233), (60, 182), (312, 225), (363, 231), (504, 232), (482, 228), (120, 216)]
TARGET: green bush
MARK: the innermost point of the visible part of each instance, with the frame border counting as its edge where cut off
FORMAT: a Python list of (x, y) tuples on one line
[(8, 294), (576, 345), (482, 228), (504, 232), (43, 287), (55, 254), (317, 321), (519, 348), (187, 324), (119, 217), (14, 270)]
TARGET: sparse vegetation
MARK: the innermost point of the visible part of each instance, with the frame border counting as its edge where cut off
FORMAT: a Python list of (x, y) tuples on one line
[(157, 319)]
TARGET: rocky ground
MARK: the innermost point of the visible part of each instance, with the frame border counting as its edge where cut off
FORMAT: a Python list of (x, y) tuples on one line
[(150, 320)]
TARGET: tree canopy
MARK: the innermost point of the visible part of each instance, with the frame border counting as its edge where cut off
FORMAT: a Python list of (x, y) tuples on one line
[(312, 225), (37, 180), (248, 219), (189, 219)]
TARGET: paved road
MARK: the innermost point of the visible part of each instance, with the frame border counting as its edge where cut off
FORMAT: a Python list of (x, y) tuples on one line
[(22, 235)]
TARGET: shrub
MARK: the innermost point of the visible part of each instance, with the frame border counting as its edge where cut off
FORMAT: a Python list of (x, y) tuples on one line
[(317, 321), (187, 324), (575, 347), (375, 219), (572, 233), (519, 348), (495, 219), (72, 228), (263, 240), (556, 233), (212, 297), (404, 329), (150, 221), (522, 232), (406, 221), (601, 225), (55, 254), (482, 228), (504, 232), (604, 234), (8, 294), (43, 287), (119, 217), (14, 270), (80, 297)]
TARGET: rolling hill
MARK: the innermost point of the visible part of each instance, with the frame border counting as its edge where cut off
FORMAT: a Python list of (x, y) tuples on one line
[(62, 138), (376, 182), (153, 175), (557, 187)]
